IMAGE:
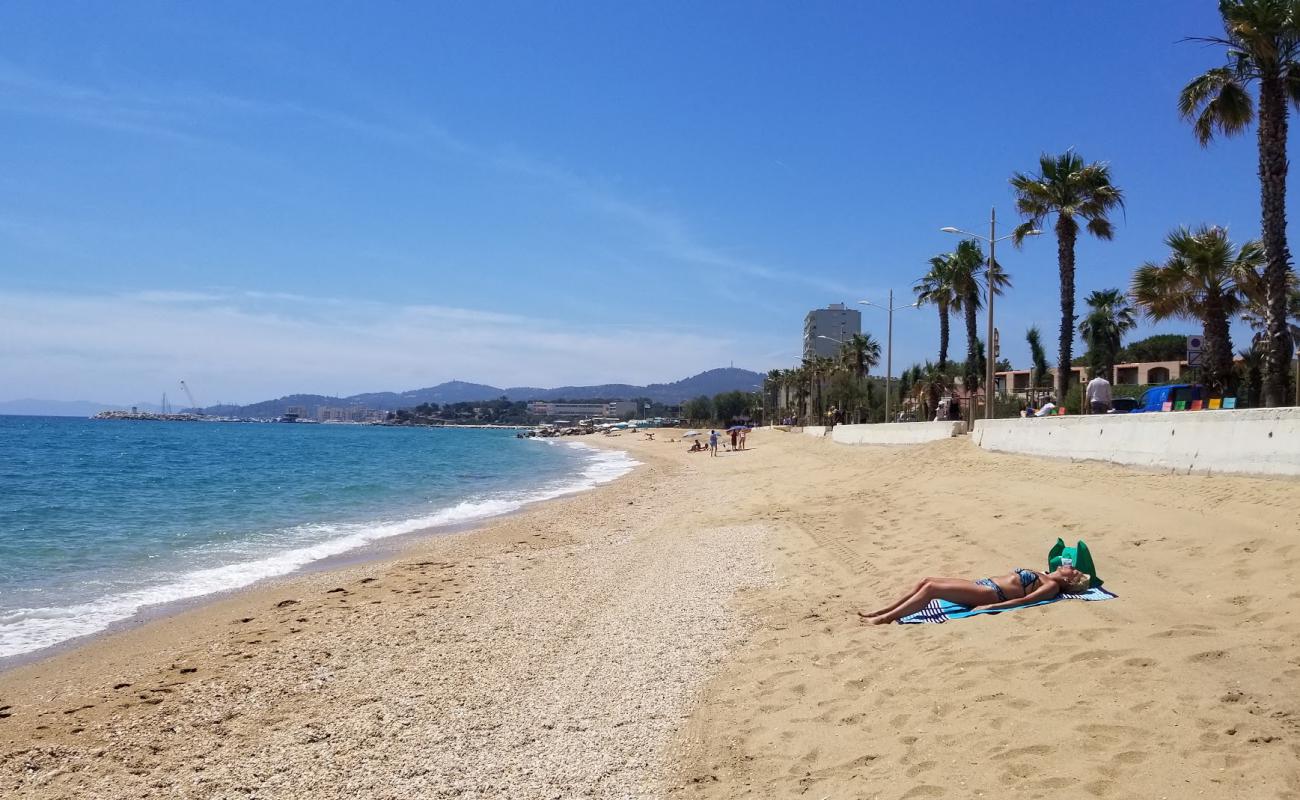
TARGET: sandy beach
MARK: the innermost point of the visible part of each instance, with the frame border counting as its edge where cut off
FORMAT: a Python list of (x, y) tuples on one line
[(690, 631)]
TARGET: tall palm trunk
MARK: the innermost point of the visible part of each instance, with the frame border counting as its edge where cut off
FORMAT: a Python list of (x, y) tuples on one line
[(972, 345), (943, 336), (1066, 231), (1272, 200), (1217, 356)]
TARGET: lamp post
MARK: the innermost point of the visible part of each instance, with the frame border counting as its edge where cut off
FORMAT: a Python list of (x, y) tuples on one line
[(992, 240), (889, 342)]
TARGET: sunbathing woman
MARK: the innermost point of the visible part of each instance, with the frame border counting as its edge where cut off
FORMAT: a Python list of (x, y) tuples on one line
[(1016, 588)]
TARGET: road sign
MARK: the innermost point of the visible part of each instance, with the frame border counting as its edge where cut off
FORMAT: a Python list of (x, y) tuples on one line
[(997, 345), (1194, 345)]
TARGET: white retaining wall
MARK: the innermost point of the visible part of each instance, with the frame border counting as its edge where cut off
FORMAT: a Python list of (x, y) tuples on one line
[(897, 432), (1264, 441)]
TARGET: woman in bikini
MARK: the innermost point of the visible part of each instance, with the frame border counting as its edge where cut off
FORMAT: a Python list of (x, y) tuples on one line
[(1016, 588)]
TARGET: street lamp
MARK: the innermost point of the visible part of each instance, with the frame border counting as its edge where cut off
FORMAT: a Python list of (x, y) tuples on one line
[(889, 342), (992, 240)]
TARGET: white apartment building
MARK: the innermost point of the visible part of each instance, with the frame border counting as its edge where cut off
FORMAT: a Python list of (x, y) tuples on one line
[(825, 328)]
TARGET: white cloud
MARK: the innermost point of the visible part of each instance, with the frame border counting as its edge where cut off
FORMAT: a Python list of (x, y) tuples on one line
[(231, 348)]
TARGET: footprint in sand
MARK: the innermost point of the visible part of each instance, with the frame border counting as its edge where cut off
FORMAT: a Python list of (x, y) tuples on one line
[(917, 769)]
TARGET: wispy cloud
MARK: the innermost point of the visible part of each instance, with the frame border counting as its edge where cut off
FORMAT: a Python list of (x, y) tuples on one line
[(228, 347), (182, 113)]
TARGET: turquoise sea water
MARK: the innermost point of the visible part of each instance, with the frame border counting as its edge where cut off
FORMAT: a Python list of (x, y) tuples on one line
[(102, 518)]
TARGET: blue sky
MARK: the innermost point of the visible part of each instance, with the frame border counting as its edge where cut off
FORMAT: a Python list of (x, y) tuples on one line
[(264, 198)]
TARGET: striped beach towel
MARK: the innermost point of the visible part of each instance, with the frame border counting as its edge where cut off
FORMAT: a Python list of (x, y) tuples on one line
[(942, 610)]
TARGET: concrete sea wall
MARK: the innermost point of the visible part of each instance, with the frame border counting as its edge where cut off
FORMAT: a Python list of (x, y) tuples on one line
[(1264, 441), (897, 432)]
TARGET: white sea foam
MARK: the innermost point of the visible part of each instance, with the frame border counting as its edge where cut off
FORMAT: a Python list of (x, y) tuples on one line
[(25, 630)]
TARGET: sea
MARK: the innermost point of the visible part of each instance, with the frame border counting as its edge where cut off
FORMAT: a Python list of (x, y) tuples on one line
[(101, 520)]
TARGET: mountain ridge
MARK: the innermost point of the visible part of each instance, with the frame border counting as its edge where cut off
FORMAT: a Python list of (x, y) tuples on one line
[(709, 382)]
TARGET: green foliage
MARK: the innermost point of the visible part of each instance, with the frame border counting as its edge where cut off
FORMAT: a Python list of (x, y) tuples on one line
[(730, 405), (860, 354), (1109, 317), (500, 411), (1072, 190), (1261, 46), (1262, 40), (1202, 279), (1038, 376), (698, 408), (936, 287), (1161, 347)]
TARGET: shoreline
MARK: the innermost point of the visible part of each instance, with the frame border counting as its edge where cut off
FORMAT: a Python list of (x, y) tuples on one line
[(531, 593), (692, 634), (377, 549)]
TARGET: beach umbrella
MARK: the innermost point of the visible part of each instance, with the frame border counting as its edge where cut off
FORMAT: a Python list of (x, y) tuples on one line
[(738, 428), (689, 434)]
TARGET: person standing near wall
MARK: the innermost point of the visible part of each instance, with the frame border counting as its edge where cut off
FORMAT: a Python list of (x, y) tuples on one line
[(1098, 395)]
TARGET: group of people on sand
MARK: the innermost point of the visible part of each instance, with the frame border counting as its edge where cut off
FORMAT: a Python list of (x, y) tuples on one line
[(1018, 587), (738, 442)]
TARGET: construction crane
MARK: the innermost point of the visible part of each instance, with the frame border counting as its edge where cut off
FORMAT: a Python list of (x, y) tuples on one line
[(190, 395)]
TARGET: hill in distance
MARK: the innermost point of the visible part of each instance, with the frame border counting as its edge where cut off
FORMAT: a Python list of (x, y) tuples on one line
[(709, 383)]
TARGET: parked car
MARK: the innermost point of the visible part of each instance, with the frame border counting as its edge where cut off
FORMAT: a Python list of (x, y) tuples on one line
[(1123, 405), (1154, 399)]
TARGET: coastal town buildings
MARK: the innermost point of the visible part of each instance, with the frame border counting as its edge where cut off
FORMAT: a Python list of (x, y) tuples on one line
[(825, 328), (616, 409)]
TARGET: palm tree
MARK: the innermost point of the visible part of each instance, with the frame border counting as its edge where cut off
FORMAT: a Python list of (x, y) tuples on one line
[(1255, 289), (826, 368), (931, 383), (1262, 40), (1038, 355), (1201, 280), (789, 380), (1109, 317), (860, 353), (936, 287), (1250, 376), (771, 392), (801, 381), (968, 280), (1073, 191)]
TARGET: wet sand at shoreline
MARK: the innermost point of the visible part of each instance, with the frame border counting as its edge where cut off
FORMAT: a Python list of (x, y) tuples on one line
[(689, 631)]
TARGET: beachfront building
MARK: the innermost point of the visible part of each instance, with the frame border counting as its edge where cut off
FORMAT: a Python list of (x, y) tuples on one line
[(1130, 374), (616, 409), (837, 323)]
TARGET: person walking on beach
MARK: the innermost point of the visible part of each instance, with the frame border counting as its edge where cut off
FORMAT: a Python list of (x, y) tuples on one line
[(735, 437), (713, 443), (1098, 395), (743, 433)]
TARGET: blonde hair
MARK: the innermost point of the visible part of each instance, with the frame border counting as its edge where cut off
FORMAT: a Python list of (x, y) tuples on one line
[(1079, 583)]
